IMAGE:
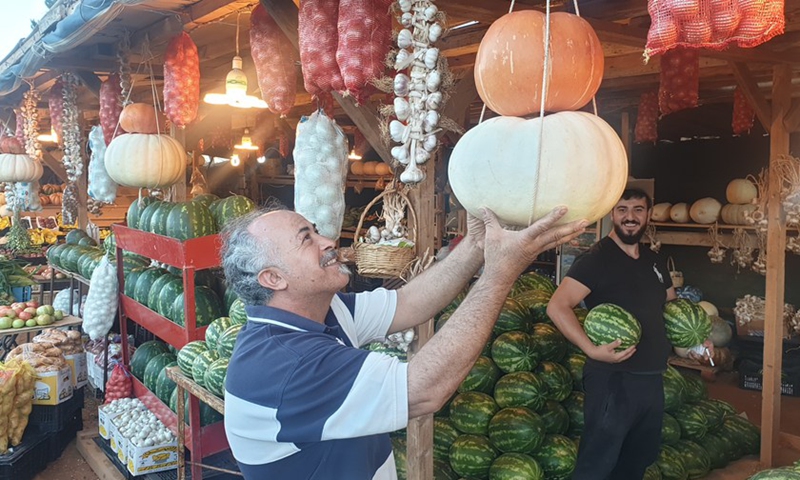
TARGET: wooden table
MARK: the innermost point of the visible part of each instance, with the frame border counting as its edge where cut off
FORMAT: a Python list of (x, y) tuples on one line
[(8, 337), (186, 384), (707, 372)]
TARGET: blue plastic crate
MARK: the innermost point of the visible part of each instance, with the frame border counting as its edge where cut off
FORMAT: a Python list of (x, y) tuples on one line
[(22, 294)]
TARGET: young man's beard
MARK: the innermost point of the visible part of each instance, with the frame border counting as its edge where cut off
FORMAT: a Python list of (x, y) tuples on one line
[(631, 239)]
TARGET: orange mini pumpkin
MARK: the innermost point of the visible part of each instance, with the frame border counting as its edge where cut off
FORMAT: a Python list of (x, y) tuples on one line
[(141, 118), (44, 200), (510, 60)]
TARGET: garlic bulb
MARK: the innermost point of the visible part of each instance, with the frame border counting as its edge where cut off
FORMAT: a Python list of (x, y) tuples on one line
[(430, 13), (401, 81), (400, 153), (430, 143), (407, 20), (398, 131), (433, 101), (404, 38), (412, 174), (431, 57), (431, 121), (401, 109), (405, 5), (433, 80), (403, 59), (435, 32)]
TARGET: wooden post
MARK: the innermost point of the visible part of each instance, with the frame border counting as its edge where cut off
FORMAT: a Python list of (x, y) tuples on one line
[(625, 133), (776, 256), (420, 430), (83, 190)]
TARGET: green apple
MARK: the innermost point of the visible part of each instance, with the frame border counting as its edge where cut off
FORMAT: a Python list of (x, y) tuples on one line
[(17, 323), (43, 320), (31, 323), (58, 315), (5, 322)]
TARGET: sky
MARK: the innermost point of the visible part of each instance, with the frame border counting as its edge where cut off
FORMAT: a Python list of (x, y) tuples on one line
[(15, 22)]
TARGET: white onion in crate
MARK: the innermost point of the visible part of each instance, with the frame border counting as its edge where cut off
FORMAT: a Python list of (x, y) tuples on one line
[(583, 165)]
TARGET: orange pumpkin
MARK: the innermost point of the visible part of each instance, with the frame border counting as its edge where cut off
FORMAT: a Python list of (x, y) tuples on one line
[(510, 60), (56, 198), (141, 118), (44, 200)]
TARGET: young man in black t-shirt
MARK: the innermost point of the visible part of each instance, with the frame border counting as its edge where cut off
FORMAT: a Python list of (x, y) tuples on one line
[(624, 402)]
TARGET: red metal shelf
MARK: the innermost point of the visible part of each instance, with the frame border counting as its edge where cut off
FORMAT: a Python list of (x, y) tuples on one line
[(212, 437), (198, 253), (159, 325)]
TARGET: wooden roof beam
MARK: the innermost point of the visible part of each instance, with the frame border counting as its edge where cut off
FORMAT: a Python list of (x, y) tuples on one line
[(792, 120), (55, 165), (749, 86)]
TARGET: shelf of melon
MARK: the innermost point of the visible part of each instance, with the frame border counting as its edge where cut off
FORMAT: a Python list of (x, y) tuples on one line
[(189, 256)]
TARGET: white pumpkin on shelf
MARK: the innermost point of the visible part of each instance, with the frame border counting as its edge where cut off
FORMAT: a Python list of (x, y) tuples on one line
[(661, 212), (679, 213), (741, 191), (145, 160), (735, 214), (583, 165), (705, 211)]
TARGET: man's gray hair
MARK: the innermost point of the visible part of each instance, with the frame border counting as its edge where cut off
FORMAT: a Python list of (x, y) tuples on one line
[(245, 255)]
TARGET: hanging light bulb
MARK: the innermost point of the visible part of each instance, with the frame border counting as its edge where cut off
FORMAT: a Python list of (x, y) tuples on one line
[(261, 159), (235, 161), (247, 142), (235, 85)]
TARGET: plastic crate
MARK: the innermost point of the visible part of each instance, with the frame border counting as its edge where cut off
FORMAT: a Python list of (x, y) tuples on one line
[(47, 418), (22, 294), (57, 442), (28, 458)]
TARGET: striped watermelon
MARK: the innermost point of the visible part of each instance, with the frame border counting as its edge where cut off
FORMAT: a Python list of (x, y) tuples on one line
[(444, 434), (747, 435), (229, 298), (207, 414), (557, 379), (575, 362), (399, 448), (516, 429), (144, 283), (726, 407), (237, 313), (686, 322), (135, 211), (718, 449), (785, 473), (154, 367), (147, 215), (713, 412), (574, 407), (533, 281), (521, 389), (190, 220), (670, 430), (188, 354), (442, 470), (670, 464), (535, 302), (696, 389), (471, 456), (158, 222), (142, 356), (207, 307), (172, 288), (694, 424), (608, 322), (514, 352), (470, 412), (214, 378), (674, 389), (227, 341), (549, 342), (652, 473), (696, 460), (580, 314), (155, 293), (481, 378), (215, 329), (515, 466), (206, 199), (226, 209), (557, 457), (513, 316), (555, 418), (164, 384), (201, 364)]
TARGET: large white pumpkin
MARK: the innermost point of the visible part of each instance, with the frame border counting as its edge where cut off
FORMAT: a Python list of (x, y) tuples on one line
[(583, 165), (741, 191), (705, 211), (145, 160), (19, 168)]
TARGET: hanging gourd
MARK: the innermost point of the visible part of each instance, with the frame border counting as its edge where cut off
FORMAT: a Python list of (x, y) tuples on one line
[(582, 164), (141, 118), (55, 104), (19, 167), (145, 160), (511, 57)]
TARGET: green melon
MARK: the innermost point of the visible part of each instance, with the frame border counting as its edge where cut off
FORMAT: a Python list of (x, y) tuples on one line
[(130, 281), (157, 289), (549, 342), (533, 281), (147, 215), (555, 417), (557, 378), (201, 364), (444, 434), (652, 473), (696, 460), (136, 209), (214, 378), (481, 377), (471, 456), (237, 313), (574, 407), (670, 430), (215, 329), (207, 307), (206, 199), (229, 298), (747, 435), (535, 302), (674, 389), (516, 429), (208, 415), (52, 254), (399, 448), (696, 388), (513, 316), (165, 297), (190, 220), (143, 354), (144, 283), (607, 322), (154, 367), (164, 384), (188, 354), (227, 341), (514, 352), (226, 209), (575, 362), (521, 389), (670, 464), (718, 449), (726, 407), (557, 456), (686, 322), (470, 412), (515, 466), (713, 412), (694, 424), (786, 473), (158, 222), (74, 236), (580, 314)]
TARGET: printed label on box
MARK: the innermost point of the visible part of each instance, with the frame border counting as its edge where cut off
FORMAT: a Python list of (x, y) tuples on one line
[(118, 442), (52, 388), (103, 422), (153, 459), (78, 369)]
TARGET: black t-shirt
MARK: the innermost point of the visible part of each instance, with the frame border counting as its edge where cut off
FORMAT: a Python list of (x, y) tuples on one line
[(637, 285)]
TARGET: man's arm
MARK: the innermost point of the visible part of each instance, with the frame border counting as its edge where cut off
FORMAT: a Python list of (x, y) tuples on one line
[(559, 309), (431, 291)]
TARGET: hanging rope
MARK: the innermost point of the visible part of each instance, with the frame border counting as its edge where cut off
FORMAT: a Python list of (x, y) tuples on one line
[(545, 85)]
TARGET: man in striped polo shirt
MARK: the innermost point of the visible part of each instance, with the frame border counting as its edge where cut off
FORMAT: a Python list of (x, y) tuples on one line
[(302, 401)]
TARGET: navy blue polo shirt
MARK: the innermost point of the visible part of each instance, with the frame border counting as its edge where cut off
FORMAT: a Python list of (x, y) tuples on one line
[(302, 401)]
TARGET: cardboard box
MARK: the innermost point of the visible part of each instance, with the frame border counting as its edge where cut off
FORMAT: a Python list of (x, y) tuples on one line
[(103, 422), (145, 460), (52, 388), (78, 369), (119, 443)]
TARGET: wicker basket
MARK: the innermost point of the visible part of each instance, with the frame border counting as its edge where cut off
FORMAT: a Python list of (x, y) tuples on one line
[(385, 261), (675, 275)]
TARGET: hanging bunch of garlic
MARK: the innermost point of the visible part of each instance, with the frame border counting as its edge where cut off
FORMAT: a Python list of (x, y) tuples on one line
[(30, 124), (793, 245), (650, 235), (73, 161), (760, 263), (794, 323), (758, 217), (717, 252), (742, 256), (124, 59), (417, 88)]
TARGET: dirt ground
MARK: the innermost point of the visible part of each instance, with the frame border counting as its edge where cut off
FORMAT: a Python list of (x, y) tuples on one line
[(72, 466)]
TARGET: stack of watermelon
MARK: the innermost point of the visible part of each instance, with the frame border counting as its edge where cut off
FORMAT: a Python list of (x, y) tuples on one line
[(203, 215), (783, 473), (206, 361)]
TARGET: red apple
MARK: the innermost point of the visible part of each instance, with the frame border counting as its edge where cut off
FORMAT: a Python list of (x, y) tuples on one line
[(30, 310), (25, 315), (32, 303)]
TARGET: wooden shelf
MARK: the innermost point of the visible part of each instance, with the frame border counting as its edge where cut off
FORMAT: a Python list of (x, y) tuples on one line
[(67, 321), (363, 181), (721, 226)]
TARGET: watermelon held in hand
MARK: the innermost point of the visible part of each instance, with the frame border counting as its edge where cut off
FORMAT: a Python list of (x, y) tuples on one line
[(686, 322), (514, 352), (555, 417), (513, 466), (521, 389), (607, 322), (557, 456), (471, 412), (516, 429), (481, 378), (471, 456)]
